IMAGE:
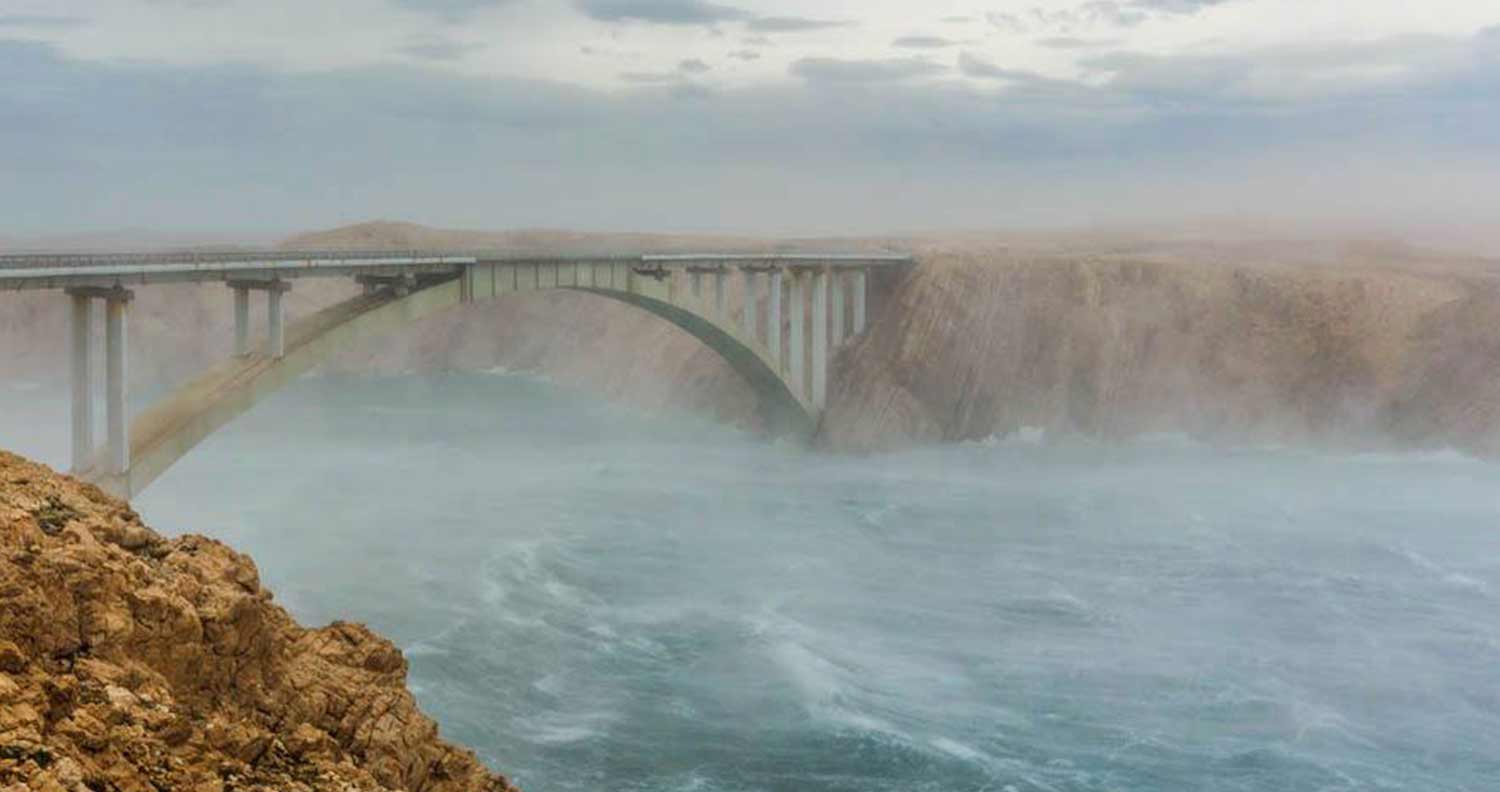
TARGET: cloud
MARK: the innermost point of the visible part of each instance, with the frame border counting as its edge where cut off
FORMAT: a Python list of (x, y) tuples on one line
[(661, 12), (1075, 43), (785, 24), (923, 42), (124, 143), (437, 49), (972, 66), (835, 70), (453, 10), (1177, 6), (40, 21), (694, 66), (650, 78), (745, 55), (1290, 74)]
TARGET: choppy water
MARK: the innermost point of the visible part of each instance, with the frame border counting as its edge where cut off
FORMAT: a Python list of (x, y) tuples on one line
[(595, 599)]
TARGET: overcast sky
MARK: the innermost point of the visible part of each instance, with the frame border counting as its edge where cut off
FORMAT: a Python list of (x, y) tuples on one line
[(754, 115)]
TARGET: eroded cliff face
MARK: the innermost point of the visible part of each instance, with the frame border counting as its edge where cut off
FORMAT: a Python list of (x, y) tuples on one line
[(977, 343), (132, 662)]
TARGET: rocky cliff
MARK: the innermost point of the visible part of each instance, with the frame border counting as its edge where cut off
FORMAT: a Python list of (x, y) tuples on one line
[(1350, 347), (135, 663)]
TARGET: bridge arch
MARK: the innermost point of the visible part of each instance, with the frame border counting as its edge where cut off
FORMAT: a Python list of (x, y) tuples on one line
[(171, 427)]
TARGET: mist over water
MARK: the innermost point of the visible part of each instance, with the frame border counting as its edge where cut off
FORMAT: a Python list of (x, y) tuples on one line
[(594, 599)]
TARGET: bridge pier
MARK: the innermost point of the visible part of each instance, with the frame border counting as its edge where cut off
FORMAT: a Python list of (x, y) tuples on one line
[(83, 385), (720, 282), (752, 305), (773, 319), (860, 290), (116, 420), (275, 326), (241, 321), (117, 424), (839, 295), (797, 345), (820, 338), (275, 315)]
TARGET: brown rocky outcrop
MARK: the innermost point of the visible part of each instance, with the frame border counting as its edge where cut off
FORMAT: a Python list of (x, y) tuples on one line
[(136, 663), (1353, 348)]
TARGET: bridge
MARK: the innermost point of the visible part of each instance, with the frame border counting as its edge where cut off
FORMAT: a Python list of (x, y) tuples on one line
[(790, 314)]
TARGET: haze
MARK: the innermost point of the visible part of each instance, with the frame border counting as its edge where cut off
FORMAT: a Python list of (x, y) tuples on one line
[(750, 115)]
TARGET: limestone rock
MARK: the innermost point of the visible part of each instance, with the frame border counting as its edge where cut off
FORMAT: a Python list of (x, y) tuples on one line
[(136, 663)]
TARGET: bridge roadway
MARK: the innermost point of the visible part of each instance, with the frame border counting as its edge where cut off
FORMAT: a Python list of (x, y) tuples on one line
[(778, 326)]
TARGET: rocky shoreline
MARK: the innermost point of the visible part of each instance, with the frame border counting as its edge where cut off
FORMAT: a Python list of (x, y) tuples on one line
[(136, 663)]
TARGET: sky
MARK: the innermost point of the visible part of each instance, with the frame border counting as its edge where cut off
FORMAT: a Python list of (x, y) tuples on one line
[(767, 116)]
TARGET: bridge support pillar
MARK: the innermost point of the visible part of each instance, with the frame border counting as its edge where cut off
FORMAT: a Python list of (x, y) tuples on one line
[(275, 324), (840, 294), (820, 338), (773, 319), (752, 306), (796, 343), (83, 384), (859, 301), (720, 278), (117, 440), (241, 321)]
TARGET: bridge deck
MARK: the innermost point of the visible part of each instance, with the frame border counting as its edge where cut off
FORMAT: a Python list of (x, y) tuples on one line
[(61, 270)]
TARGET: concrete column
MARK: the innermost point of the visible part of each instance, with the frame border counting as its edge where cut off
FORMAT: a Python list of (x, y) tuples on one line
[(796, 346), (820, 338), (773, 319), (275, 324), (840, 294), (698, 287), (720, 279), (117, 441), (752, 306), (859, 301), (242, 320), (83, 384)]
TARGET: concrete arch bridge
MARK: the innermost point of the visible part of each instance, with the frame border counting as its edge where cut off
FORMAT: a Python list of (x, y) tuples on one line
[(793, 312)]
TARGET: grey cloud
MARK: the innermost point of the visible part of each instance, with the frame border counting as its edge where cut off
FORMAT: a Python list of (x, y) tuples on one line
[(453, 10), (650, 78), (443, 50), (1177, 6), (1075, 43), (694, 66), (745, 55), (1006, 21), (834, 70), (958, 20), (1290, 74), (662, 12), (923, 42), (972, 66), (118, 144), (40, 21), (782, 24)]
